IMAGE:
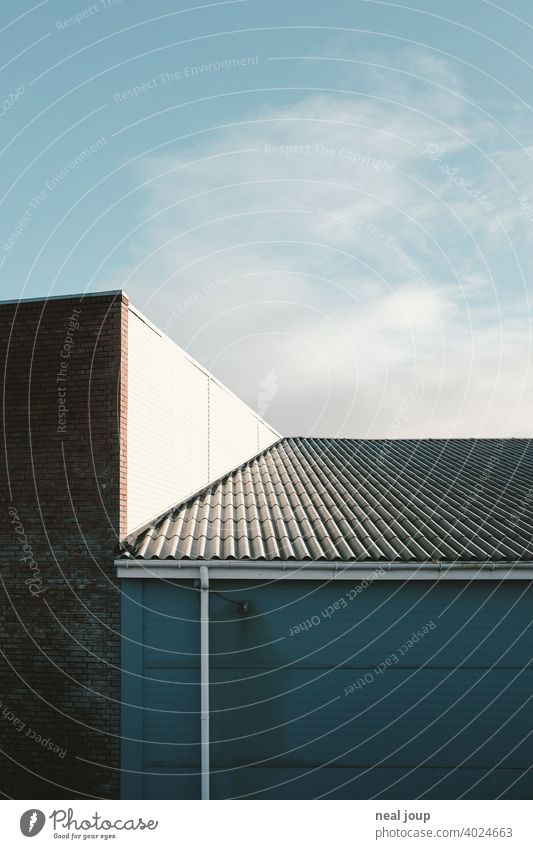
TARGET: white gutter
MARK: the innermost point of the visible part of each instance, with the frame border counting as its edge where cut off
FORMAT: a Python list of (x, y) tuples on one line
[(204, 678), (312, 570)]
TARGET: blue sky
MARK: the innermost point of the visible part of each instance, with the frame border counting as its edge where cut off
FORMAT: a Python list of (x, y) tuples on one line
[(329, 205)]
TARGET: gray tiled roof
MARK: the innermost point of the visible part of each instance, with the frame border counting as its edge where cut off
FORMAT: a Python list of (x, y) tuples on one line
[(357, 499)]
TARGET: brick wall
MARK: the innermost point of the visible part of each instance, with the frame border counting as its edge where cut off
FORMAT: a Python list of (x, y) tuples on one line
[(63, 478)]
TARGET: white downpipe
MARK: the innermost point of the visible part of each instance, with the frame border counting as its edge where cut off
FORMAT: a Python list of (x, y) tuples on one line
[(204, 678)]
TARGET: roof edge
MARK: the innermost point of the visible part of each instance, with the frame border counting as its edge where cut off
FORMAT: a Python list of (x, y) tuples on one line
[(324, 570)]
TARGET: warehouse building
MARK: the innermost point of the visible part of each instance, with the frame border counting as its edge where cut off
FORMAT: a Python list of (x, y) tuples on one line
[(221, 612), (369, 626)]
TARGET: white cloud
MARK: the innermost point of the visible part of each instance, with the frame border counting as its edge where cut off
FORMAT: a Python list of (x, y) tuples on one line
[(351, 264)]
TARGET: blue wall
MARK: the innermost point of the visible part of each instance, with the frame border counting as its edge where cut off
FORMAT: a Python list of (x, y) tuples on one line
[(348, 706)]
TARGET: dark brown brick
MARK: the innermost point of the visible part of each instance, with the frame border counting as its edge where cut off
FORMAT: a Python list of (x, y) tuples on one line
[(60, 647)]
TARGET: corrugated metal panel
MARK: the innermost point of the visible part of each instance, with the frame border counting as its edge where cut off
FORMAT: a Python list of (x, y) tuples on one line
[(349, 499), (451, 715), (184, 428)]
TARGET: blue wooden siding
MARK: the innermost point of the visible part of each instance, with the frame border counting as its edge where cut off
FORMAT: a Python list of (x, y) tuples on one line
[(304, 713)]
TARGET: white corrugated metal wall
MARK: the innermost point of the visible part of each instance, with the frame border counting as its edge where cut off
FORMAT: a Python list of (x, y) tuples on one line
[(185, 429)]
